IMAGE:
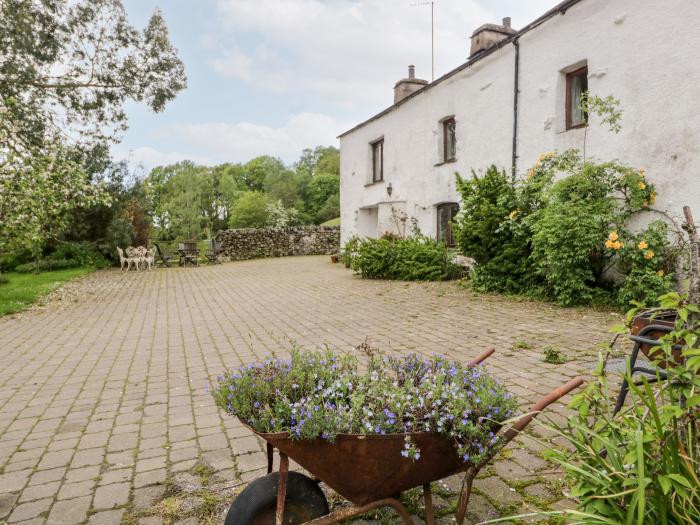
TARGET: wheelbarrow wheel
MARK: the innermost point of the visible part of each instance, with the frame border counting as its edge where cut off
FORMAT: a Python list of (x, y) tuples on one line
[(257, 503)]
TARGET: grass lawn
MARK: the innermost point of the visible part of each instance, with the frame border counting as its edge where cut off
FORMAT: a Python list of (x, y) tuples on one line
[(22, 289), (332, 222)]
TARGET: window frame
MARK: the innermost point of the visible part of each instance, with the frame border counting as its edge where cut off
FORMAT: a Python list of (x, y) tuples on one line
[(377, 146), (445, 127), (570, 76), (449, 241)]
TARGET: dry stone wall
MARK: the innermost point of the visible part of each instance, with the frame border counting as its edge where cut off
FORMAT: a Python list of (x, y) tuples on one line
[(252, 243)]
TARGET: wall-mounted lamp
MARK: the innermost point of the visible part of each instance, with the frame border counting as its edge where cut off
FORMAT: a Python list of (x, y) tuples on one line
[(389, 189)]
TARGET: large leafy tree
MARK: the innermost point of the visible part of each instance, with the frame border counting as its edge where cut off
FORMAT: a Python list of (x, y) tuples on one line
[(67, 68)]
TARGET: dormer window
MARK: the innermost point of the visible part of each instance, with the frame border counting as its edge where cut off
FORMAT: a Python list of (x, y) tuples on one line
[(576, 86), (449, 139)]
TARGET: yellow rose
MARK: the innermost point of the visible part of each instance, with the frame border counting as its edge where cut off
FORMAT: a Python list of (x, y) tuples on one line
[(642, 186), (513, 214), (617, 245), (531, 174), (641, 172), (660, 273), (613, 236), (643, 245), (608, 244), (652, 198), (648, 255)]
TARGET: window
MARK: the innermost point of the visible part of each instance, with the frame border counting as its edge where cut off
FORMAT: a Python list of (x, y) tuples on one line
[(449, 139), (576, 86), (445, 214), (378, 161)]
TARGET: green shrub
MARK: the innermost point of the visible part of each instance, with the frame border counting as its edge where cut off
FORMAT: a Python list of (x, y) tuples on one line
[(410, 259), (46, 265), (641, 466), (484, 232), (542, 237), (349, 251), (82, 254)]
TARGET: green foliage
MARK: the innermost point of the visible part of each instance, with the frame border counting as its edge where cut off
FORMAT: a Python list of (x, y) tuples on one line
[(350, 250), (21, 290), (280, 217), (641, 466), (553, 355), (485, 229), (320, 395), (67, 255), (250, 211), (324, 196), (549, 235), (67, 71), (409, 259)]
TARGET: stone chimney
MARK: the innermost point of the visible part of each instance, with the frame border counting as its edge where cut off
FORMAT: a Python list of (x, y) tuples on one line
[(406, 86), (489, 35)]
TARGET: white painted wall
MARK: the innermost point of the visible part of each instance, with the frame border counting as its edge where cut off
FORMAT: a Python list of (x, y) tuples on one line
[(643, 52)]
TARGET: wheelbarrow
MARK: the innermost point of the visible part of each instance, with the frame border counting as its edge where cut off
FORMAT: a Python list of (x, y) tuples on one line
[(367, 470)]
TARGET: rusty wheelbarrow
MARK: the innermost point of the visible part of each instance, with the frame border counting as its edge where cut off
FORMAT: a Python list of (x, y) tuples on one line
[(367, 470)]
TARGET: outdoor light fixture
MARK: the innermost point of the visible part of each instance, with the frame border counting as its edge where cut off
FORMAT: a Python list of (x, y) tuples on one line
[(389, 189)]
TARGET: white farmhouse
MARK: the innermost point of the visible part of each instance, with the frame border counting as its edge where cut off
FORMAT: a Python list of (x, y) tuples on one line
[(517, 97)]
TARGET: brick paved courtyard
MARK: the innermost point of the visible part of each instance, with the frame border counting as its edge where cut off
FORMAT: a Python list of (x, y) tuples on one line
[(106, 416)]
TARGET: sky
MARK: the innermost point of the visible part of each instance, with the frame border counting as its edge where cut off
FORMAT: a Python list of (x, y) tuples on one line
[(272, 77)]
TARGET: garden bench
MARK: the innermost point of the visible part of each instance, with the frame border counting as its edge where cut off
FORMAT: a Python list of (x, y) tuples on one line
[(214, 252), (189, 253), (164, 256)]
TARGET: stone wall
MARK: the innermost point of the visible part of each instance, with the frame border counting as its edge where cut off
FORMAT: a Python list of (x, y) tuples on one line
[(251, 243)]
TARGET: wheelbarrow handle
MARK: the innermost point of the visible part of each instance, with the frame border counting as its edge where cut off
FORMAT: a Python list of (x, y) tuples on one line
[(481, 357), (543, 403)]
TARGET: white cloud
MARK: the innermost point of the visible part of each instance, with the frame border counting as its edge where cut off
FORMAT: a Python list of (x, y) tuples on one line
[(210, 143), (342, 50), (347, 51), (148, 158)]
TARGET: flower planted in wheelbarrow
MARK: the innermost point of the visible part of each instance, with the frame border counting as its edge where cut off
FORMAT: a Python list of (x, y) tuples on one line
[(321, 395)]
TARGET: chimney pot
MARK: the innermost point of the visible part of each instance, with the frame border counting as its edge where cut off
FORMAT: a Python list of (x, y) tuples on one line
[(407, 86), (506, 21)]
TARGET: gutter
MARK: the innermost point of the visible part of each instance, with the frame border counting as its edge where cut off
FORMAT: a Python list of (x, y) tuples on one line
[(560, 9)]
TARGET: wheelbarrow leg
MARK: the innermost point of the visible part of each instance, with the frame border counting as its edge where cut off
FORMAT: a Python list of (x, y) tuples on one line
[(282, 488), (270, 451), (428, 498), (464, 495)]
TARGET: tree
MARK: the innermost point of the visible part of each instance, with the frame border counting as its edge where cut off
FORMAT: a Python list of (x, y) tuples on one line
[(323, 201), (67, 68), (250, 211)]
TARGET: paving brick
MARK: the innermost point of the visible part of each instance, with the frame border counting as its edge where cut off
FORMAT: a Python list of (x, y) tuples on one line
[(74, 489), (110, 517), (69, 512), (112, 495), (45, 490), (136, 393), (25, 511)]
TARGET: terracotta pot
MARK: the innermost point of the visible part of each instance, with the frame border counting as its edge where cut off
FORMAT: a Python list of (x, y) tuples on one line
[(334, 258)]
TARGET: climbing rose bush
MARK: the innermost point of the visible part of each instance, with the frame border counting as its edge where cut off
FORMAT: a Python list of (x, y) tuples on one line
[(320, 395)]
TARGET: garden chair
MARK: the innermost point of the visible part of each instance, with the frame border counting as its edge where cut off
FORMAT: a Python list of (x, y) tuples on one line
[(189, 253), (149, 258), (214, 252), (164, 256), (132, 258), (141, 253), (124, 260), (645, 338)]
